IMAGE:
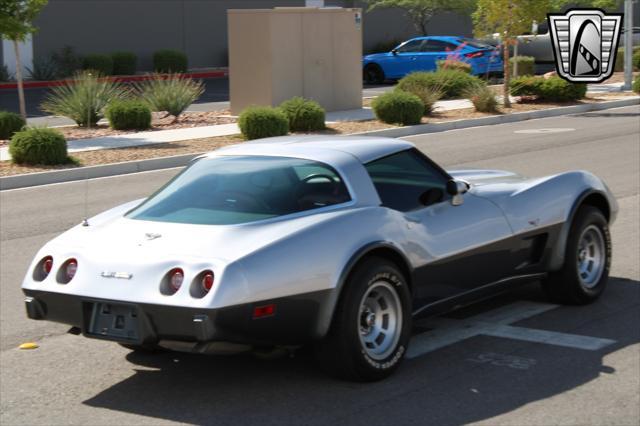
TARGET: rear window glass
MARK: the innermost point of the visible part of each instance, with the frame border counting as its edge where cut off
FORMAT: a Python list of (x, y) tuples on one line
[(476, 44), (240, 189)]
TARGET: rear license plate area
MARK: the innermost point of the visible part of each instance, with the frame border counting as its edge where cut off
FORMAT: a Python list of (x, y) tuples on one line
[(114, 321)]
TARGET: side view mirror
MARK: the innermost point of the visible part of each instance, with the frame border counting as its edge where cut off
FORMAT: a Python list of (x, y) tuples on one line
[(456, 188), (394, 51)]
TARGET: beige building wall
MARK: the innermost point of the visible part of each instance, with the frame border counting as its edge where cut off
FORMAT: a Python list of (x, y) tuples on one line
[(276, 54)]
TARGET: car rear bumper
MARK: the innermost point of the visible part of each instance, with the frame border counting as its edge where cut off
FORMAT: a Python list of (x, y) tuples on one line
[(295, 319)]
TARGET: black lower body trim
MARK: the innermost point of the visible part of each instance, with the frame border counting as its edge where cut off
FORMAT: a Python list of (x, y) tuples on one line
[(293, 321)]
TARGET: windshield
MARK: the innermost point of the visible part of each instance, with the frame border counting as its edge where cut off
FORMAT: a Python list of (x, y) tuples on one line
[(240, 189)]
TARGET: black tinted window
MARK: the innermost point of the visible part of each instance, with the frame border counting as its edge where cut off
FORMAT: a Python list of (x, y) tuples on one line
[(437, 46), (410, 47), (406, 181), (240, 189)]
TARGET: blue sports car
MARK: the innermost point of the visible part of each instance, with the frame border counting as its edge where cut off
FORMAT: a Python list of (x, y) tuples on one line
[(422, 54)]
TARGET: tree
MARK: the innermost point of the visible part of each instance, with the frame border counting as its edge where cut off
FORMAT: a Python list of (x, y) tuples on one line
[(16, 24), (509, 18), (421, 11)]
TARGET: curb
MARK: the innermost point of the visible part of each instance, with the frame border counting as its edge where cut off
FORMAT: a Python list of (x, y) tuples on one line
[(91, 172), (119, 79), (398, 132)]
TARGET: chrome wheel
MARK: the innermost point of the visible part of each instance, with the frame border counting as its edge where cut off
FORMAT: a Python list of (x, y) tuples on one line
[(380, 320), (591, 256)]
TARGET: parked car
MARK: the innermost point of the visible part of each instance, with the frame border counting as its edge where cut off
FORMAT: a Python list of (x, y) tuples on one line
[(422, 54), (337, 241)]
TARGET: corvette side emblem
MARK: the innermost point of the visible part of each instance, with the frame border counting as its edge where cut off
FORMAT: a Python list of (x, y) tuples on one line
[(585, 43), (151, 236)]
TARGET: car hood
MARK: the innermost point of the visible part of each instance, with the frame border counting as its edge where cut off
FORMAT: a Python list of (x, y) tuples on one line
[(374, 56)]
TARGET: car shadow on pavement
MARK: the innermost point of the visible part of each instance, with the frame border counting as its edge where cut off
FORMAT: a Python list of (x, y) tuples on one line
[(457, 384)]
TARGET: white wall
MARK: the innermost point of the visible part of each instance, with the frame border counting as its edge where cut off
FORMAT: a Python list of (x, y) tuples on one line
[(26, 55)]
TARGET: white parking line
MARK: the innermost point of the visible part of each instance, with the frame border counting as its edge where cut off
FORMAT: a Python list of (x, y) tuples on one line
[(445, 331)]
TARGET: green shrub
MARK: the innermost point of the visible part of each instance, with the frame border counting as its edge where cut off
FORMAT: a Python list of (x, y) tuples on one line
[(304, 115), (636, 60), (263, 122), (103, 64), (43, 70), (170, 61), (483, 99), (526, 64), (172, 94), (398, 107), (124, 63), (452, 64), (4, 73), (10, 123), (39, 146), (83, 98), (636, 85), (128, 115), (526, 86), (451, 83), (556, 89), (428, 95), (66, 61)]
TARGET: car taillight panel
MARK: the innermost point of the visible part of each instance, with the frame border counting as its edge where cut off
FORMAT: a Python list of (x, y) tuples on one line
[(43, 268), (71, 269), (474, 55)]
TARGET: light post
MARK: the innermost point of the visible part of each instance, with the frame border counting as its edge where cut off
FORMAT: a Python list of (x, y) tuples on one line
[(628, 43)]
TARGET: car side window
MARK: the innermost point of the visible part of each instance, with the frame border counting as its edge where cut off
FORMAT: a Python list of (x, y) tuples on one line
[(437, 46), (407, 181), (412, 46)]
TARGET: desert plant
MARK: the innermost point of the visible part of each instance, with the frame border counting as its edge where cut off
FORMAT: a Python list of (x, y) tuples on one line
[(170, 61), (172, 94), (128, 115), (124, 63), (428, 94), (526, 64), (4, 73), (39, 146), (619, 64), (636, 85), (102, 64), (66, 61), (483, 98), (304, 115), (257, 122), (452, 83), (636, 60), (398, 107), (83, 98), (10, 123), (452, 64), (43, 70)]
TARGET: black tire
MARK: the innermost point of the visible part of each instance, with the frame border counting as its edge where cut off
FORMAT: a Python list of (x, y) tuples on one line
[(144, 348), (373, 74), (568, 285), (343, 352)]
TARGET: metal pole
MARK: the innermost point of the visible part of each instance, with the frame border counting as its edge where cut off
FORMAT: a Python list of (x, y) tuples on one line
[(515, 57), (628, 44)]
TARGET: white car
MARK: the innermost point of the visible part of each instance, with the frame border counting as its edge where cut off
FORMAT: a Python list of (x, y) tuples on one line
[(340, 241)]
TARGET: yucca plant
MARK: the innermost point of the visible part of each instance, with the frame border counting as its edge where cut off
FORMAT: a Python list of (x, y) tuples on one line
[(83, 98), (483, 99), (172, 94)]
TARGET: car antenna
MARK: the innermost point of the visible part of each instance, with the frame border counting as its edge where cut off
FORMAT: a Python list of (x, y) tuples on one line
[(85, 221)]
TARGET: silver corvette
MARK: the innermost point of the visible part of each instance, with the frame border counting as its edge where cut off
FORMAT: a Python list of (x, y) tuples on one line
[(335, 241)]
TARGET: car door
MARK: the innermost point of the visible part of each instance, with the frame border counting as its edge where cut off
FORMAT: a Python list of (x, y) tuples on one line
[(434, 51), (454, 248), (405, 60)]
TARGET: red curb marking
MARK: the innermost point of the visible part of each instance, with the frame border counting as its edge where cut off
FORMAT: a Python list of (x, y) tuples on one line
[(120, 79)]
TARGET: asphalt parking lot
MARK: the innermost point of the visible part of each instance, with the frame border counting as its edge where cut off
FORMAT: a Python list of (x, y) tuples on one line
[(512, 360)]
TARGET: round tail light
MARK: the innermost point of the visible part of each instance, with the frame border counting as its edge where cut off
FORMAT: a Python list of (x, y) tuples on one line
[(176, 277), (71, 269), (207, 281), (47, 265)]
